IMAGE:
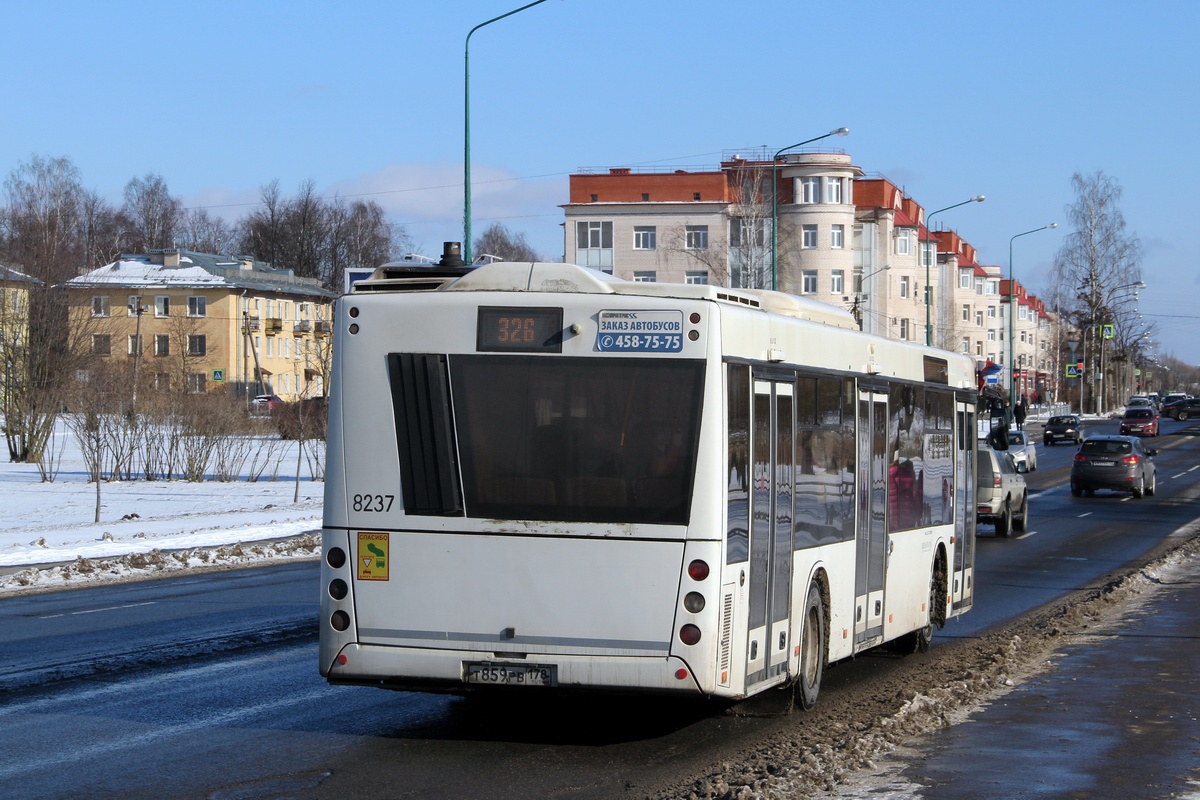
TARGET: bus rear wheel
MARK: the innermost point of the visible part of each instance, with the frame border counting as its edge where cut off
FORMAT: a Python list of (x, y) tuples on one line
[(812, 649)]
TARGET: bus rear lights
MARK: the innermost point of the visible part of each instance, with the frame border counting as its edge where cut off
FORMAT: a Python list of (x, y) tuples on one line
[(689, 634), (338, 589), (681, 673), (354, 327), (698, 570), (694, 602), (340, 621), (336, 557), (693, 334), (354, 311), (694, 318), (342, 660)]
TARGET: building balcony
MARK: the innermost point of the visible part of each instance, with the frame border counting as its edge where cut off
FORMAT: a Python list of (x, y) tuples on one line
[(274, 326), (302, 326), (322, 327), (253, 323)]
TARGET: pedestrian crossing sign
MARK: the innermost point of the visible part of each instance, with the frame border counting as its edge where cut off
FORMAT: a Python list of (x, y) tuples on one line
[(218, 375)]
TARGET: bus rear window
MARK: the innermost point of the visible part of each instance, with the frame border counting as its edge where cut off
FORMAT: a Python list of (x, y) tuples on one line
[(577, 440)]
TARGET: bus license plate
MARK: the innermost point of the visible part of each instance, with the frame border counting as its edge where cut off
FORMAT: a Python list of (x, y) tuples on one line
[(511, 674)]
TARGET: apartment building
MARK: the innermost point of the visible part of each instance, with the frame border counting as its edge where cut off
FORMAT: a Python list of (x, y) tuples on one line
[(14, 328), (201, 322), (841, 237)]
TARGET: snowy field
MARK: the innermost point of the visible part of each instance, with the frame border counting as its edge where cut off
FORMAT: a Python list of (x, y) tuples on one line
[(49, 539)]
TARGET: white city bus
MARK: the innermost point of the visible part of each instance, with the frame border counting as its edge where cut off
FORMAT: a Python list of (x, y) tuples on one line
[(542, 476)]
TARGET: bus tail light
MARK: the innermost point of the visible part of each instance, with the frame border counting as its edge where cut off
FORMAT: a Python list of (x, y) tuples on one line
[(340, 620), (689, 634), (694, 602), (698, 570), (336, 557)]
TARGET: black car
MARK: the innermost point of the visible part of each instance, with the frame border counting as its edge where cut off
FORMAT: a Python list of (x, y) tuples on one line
[(1064, 428), (1182, 409), (1120, 463)]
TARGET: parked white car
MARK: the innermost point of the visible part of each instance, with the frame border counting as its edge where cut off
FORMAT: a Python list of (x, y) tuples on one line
[(1022, 448)]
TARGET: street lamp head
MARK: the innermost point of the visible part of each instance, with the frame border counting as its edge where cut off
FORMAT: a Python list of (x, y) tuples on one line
[(1052, 225), (978, 198), (839, 132)]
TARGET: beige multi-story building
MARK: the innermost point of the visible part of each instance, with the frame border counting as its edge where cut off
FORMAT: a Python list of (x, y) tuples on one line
[(198, 322), (14, 329), (841, 237)]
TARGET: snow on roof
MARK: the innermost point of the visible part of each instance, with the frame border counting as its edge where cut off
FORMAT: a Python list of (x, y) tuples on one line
[(196, 271)]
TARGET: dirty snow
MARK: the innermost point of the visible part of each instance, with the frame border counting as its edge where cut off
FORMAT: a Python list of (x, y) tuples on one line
[(49, 539)]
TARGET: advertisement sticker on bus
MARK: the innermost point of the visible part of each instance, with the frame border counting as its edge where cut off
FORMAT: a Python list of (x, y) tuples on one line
[(372, 556), (640, 332)]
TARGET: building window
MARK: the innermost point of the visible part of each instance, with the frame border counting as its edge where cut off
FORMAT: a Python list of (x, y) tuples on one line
[(162, 306), (966, 312), (966, 345), (810, 190), (697, 278), (594, 245), (979, 347), (696, 237), (135, 344), (644, 277), (903, 243), (197, 345), (270, 347), (197, 306), (979, 318), (964, 279), (979, 286), (162, 382), (100, 305), (135, 304), (904, 286), (162, 344), (991, 336), (808, 234), (833, 190), (837, 283), (837, 237), (992, 312), (808, 280), (101, 344), (644, 237), (747, 232), (696, 196), (904, 329), (197, 382)]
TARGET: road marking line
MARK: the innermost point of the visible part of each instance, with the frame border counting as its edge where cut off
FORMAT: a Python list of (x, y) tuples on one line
[(1085, 514), (1026, 535), (97, 610)]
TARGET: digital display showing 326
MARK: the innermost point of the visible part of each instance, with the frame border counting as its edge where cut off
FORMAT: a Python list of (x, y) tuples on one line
[(521, 330)]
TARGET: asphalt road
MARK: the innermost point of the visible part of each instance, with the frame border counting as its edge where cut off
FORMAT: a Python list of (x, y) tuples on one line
[(207, 686)]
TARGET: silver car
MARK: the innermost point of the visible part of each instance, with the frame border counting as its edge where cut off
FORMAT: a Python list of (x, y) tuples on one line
[(1022, 448)]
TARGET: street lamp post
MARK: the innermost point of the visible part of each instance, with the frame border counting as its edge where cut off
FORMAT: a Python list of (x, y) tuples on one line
[(931, 255), (775, 198), (1012, 363), (467, 128), (861, 295)]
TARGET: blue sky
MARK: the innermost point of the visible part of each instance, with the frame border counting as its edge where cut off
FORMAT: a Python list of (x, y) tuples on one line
[(947, 100)]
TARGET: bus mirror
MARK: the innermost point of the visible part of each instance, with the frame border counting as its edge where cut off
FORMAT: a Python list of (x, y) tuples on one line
[(997, 438)]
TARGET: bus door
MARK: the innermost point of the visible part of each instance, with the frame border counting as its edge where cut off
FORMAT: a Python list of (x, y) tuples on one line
[(871, 522), (961, 582), (773, 446)]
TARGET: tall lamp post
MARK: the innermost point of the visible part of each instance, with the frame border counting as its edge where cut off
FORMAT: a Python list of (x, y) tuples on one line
[(467, 128), (861, 295), (1012, 363), (775, 198), (928, 292)]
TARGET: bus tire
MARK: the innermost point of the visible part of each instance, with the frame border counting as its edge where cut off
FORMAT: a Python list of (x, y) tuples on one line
[(812, 649)]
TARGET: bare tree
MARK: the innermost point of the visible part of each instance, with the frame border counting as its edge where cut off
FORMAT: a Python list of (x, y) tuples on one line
[(42, 235), (1102, 260), (261, 231), (153, 214), (202, 233), (360, 238), (498, 241)]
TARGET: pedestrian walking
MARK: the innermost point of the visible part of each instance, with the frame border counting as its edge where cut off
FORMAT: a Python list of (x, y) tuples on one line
[(1019, 415)]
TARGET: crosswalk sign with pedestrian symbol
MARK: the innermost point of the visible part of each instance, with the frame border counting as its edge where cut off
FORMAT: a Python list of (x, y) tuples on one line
[(1074, 370)]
